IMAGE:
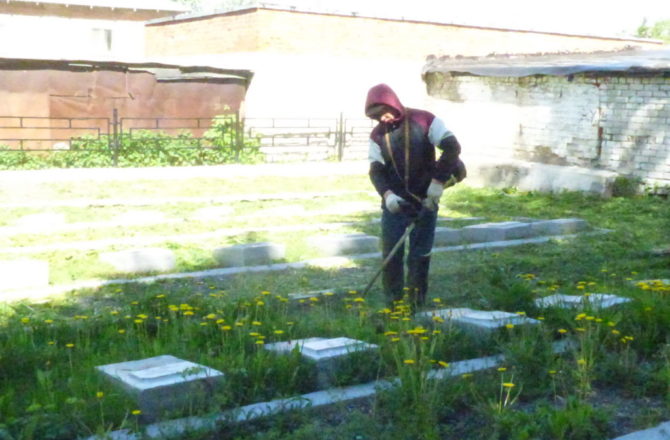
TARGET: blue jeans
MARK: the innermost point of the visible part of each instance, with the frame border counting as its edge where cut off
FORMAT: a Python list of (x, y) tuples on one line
[(418, 259)]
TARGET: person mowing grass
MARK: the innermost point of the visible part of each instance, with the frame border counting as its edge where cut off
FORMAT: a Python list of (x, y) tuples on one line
[(406, 174)]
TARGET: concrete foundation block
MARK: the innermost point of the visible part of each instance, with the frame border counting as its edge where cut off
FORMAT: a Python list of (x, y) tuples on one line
[(496, 232), (447, 236), (41, 222), (592, 300), (163, 383), (141, 260), (345, 244), (476, 321), (23, 274), (252, 254), (328, 354), (558, 226)]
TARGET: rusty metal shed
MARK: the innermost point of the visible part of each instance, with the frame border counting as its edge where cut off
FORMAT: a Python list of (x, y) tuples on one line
[(58, 99)]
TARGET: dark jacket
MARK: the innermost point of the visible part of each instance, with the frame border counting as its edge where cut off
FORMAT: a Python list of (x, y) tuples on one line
[(425, 133)]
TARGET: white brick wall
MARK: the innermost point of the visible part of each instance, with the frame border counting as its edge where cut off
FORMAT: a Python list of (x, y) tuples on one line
[(558, 120)]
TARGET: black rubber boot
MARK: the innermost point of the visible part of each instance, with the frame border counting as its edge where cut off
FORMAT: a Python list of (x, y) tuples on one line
[(417, 280)]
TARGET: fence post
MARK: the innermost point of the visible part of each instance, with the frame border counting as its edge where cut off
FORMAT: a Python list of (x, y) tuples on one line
[(115, 137), (238, 136), (340, 137)]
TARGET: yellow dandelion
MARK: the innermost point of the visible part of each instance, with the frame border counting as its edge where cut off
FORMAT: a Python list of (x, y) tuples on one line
[(256, 323), (226, 328), (69, 345), (409, 361), (551, 372), (508, 385), (502, 369), (260, 342), (99, 394), (136, 412), (25, 320), (395, 339), (121, 331), (188, 313), (509, 326), (265, 292), (443, 364)]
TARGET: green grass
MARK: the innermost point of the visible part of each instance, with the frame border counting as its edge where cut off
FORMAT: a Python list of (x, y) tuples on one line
[(50, 389)]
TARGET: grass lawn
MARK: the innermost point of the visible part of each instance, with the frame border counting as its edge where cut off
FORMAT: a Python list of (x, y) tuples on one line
[(615, 378)]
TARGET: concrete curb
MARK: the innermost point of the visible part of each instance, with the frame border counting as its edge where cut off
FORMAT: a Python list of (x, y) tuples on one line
[(222, 272)]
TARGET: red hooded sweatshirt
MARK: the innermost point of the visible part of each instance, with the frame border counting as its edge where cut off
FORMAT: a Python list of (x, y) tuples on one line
[(409, 173)]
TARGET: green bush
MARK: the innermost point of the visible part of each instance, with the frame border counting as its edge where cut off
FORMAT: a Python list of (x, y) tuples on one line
[(144, 148)]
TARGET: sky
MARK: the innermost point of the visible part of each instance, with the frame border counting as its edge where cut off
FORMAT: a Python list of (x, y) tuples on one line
[(593, 17)]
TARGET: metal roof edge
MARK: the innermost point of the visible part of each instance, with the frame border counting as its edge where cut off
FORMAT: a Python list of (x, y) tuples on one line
[(189, 71), (175, 8), (407, 19)]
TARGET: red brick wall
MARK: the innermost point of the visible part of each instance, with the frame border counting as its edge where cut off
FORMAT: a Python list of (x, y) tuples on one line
[(294, 32), (235, 32)]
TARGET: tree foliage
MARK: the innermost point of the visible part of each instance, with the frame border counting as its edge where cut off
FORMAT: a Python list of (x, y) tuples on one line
[(660, 30)]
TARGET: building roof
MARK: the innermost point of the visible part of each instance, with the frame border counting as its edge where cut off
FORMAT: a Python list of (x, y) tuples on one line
[(380, 15), (162, 71), (147, 5), (640, 61)]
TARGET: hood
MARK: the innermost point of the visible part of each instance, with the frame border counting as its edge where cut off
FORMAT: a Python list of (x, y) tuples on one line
[(383, 94)]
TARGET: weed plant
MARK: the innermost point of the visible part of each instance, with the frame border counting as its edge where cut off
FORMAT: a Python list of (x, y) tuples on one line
[(48, 351)]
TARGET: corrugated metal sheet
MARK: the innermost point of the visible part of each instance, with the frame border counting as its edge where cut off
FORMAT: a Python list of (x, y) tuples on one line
[(656, 61)]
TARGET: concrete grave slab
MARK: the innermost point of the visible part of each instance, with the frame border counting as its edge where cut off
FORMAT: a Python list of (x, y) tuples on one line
[(312, 294), (496, 232), (479, 321), (43, 221), (23, 274), (212, 213), (344, 244), (249, 254), (141, 260), (282, 211), (139, 218), (447, 236), (163, 383), (326, 353), (594, 300), (559, 226)]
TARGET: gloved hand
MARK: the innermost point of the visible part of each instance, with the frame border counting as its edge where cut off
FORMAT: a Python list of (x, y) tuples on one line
[(392, 202), (433, 194)]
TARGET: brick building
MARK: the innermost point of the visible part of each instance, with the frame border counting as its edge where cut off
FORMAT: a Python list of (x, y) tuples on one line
[(319, 64), (606, 111)]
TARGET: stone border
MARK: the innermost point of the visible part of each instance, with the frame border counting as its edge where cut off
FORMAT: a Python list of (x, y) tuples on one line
[(222, 272), (179, 427)]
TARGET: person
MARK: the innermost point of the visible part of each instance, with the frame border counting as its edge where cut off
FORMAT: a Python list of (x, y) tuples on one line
[(406, 174)]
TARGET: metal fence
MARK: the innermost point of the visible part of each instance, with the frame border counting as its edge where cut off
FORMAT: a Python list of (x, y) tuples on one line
[(277, 139)]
